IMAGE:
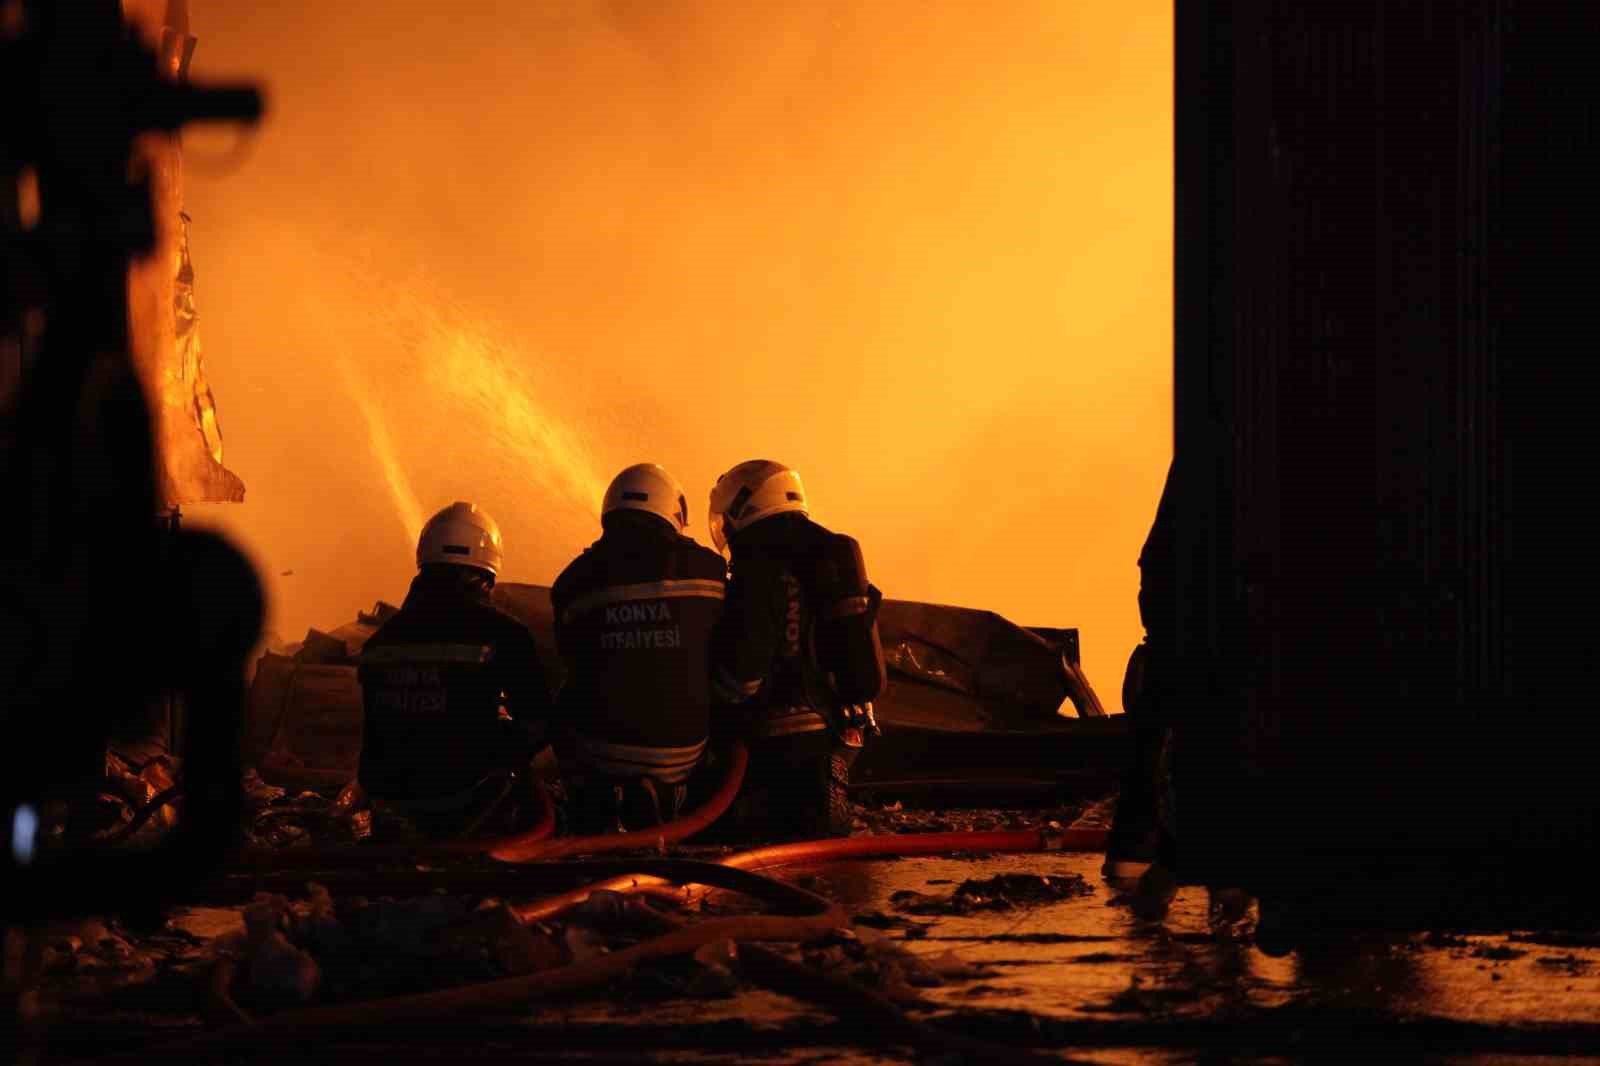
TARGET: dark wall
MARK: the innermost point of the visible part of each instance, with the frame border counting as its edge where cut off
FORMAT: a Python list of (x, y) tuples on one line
[(1384, 428)]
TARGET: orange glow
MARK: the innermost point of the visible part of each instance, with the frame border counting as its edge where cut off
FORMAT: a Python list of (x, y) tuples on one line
[(921, 252), (518, 423)]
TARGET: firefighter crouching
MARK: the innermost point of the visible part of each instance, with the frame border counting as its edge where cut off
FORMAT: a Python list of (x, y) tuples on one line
[(456, 700), (797, 661), (634, 616)]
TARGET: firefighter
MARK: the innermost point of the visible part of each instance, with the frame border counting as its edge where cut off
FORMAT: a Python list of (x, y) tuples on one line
[(797, 660), (455, 696), (1141, 830), (634, 616)]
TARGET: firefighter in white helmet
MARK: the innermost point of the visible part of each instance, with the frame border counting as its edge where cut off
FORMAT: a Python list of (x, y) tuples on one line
[(634, 615), (797, 660), (456, 699)]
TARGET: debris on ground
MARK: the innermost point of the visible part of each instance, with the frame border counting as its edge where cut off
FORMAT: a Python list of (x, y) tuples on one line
[(1097, 815), (1084, 965), (307, 819), (896, 818), (1497, 953), (1440, 939), (1581, 938), (1003, 892), (1569, 963), (293, 951), (135, 782), (257, 793), (880, 920), (867, 959), (95, 955)]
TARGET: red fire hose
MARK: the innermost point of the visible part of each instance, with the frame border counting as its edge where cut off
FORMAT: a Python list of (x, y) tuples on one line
[(543, 826), (659, 837), (902, 844), (876, 846), (529, 846)]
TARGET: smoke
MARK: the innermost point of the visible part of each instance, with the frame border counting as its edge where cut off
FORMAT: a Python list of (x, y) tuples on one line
[(497, 252)]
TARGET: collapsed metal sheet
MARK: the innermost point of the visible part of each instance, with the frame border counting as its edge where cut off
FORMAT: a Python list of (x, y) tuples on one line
[(164, 336), (1015, 678)]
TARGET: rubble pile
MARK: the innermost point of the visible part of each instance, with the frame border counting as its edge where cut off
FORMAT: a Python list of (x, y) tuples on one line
[(97, 962), (325, 951), (274, 819), (293, 952)]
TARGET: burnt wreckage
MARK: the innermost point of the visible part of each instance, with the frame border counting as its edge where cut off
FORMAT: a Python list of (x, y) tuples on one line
[(975, 705)]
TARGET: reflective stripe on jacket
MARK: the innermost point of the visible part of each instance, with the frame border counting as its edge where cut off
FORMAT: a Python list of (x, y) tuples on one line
[(634, 616)]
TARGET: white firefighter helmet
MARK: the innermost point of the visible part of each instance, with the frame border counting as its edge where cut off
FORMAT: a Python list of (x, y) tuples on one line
[(461, 535), (648, 487), (750, 492)]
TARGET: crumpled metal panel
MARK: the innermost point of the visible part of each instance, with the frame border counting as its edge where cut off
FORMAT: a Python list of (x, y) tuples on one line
[(1023, 675), (190, 361), (318, 740), (162, 318)]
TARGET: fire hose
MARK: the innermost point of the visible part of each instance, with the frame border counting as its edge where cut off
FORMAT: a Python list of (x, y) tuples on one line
[(532, 847), (529, 846), (657, 877), (659, 837), (863, 847)]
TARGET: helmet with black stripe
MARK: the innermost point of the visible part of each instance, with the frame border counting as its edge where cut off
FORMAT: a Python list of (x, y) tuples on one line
[(752, 491), (648, 487), (461, 535)]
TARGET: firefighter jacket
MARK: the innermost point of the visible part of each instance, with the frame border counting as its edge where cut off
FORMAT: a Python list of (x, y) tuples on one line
[(634, 615), (434, 680), (767, 669), (1158, 608)]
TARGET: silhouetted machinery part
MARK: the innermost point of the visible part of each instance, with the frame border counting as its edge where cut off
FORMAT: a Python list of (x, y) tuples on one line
[(1383, 548), (101, 611)]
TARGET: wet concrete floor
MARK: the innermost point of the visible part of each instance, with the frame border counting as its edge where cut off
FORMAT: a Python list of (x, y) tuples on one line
[(1085, 975), (1081, 976)]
